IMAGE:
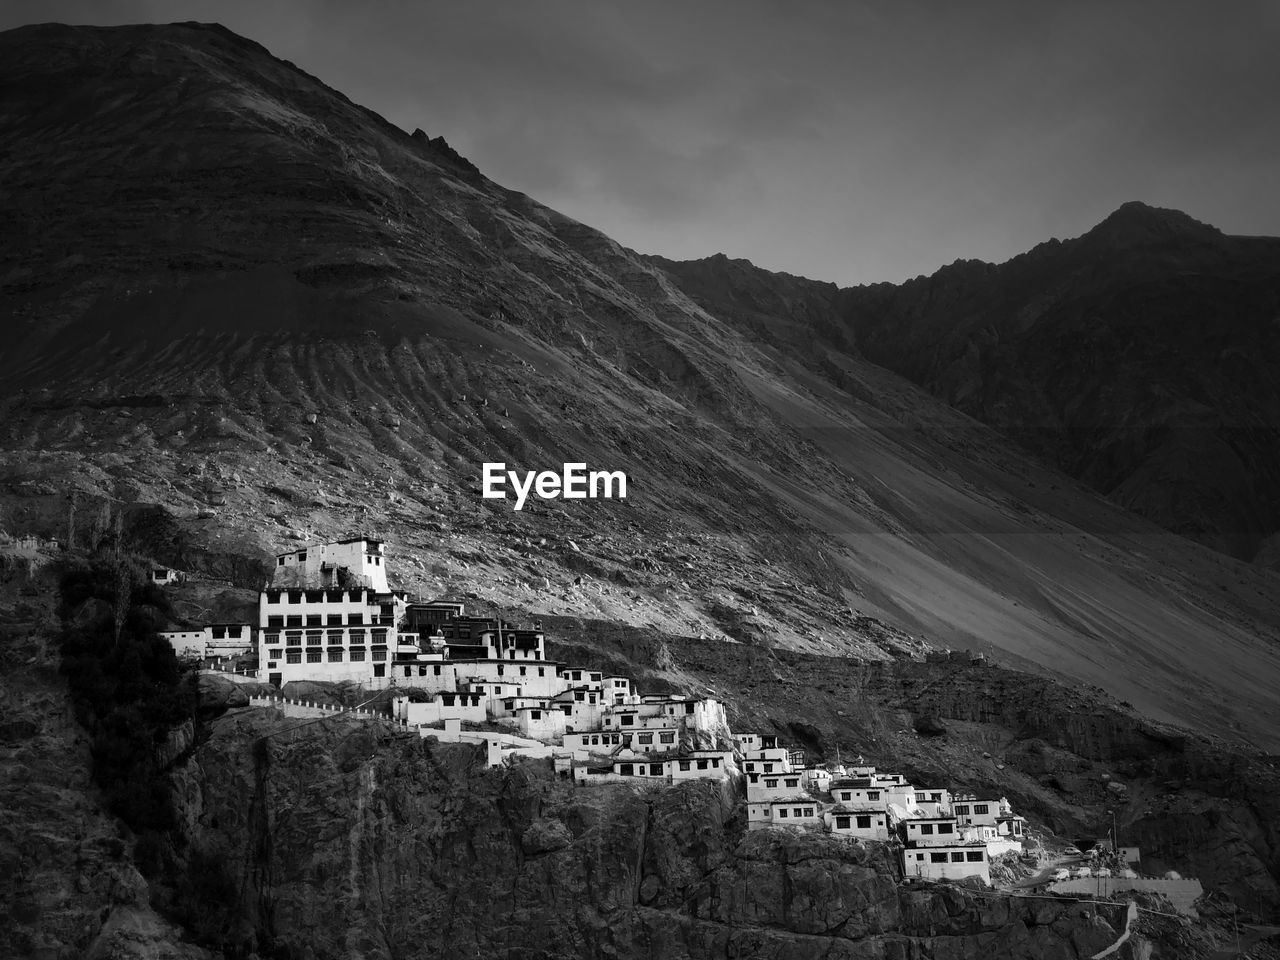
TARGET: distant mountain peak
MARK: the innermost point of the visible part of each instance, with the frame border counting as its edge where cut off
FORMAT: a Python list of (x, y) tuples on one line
[(1136, 222)]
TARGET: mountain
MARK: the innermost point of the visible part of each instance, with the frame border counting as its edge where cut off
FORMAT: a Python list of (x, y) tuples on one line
[(233, 292), (244, 312), (1139, 358)]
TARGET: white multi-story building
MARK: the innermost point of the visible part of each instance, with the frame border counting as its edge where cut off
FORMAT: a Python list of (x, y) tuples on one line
[(357, 562), (327, 634)]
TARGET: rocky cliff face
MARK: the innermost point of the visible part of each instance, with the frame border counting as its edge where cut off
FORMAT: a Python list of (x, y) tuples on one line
[(344, 840)]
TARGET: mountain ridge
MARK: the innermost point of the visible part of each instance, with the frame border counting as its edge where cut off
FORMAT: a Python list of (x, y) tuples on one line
[(237, 296)]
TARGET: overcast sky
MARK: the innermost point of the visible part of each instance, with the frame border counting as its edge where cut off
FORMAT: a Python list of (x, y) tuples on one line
[(843, 141)]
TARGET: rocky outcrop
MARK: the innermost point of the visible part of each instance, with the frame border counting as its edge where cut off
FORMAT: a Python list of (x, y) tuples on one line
[(345, 841), (69, 887)]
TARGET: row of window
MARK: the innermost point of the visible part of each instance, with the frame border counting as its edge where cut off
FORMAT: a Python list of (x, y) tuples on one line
[(662, 737), (863, 822), (956, 856), (799, 812), (316, 596), (873, 796), (293, 638), (335, 655), (301, 557), (926, 829), (329, 620), (789, 781), (978, 809), (655, 769)]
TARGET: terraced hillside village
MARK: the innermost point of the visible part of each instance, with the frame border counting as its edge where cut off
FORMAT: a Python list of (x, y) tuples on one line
[(247, 315)]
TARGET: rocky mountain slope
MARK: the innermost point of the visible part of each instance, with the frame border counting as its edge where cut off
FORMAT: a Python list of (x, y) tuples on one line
[(237, 294), (1139, 358)]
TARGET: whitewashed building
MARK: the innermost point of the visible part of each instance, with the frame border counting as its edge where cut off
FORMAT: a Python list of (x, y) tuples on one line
[(800, 811), (353, 563), (212, 640), (955, 862), (327, 634), (932, 831), (771, 786), (852, 821)]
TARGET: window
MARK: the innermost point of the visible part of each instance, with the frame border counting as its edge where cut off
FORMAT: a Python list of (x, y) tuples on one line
[(313, 620), (926, 829), (667, 737), (535, 714), (702, 764), (293, 639), (275, 623), (655, 769), (279, 561), (980, 808), (354, 619), (684, 764), (379, 655), (335, 637), (334, 620), (295, 596), (380, 670), (873, 794), (522, 669), (541, 671), (408, 671), (808, 811), (842, 823), (293, 620), (770, 784), (625, 769), (935, 798), (628, 720), (782, 813), (313, 638), (274, 653), (973, 856), (578, 695), (295, 656), (793, 781), (357, 654), (335, 656), (646, 738), (864, 823), (302, 556), (436, 670), (768, 768), (846, 795), (937, 858), (946, 828), (962, 810), (957, 857), (499, 669), (688, 708)]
